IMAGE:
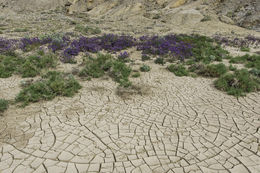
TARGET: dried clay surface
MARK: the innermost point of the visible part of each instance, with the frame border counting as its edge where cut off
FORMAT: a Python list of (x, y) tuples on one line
[(163, 124)]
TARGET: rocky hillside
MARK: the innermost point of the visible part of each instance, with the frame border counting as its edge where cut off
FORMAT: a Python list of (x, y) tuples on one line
[(170, 13), (245, 13)]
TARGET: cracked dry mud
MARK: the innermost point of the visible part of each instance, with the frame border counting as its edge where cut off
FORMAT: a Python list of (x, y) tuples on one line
[(169, 124)]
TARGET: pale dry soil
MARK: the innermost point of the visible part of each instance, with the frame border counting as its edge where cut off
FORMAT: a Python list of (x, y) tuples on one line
[(163, 124)]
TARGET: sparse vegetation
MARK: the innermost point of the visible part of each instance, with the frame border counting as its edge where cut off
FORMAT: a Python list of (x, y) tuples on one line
[(106, 64), (178, 70), (255, 72), (237, 84), (120, 72), (204, 49), (193, 51), (250, 61), (136, 74), (27, 67), (87, 29), (9, 64), (212, 70), (245, 49), (34, 64), (96, 67), (145, 68), (123, 56), (3, 105), (159, 61), (190, 62), (232, 68), (145, 57), (206, 18), (51, 85), (20, 30)]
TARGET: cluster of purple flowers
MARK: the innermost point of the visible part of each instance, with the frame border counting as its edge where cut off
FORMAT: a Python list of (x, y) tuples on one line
[(109, 42), (35, 41), (53, 44), (167, 45), (238, 42), (56, 44), (68, 55), (115, 43), (155, 45), (123, 56), (7, 45)]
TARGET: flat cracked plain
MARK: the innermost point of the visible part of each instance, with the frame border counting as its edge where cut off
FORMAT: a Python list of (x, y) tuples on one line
[(170, 124)]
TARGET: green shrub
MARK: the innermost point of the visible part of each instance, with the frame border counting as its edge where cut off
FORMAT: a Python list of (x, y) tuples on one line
[(92, 30), (178, 70), (96, 67), (27, 67), (253, 62), (56, 37), (136, 75), (145, 57), (9, 64), (120, 73), (245, 49), (52, 84), (239, 59), (237, 84), (34, 64), (20, 30), (159, 61), (87, 29), (105, 63), (204, 49), (212, 70), (3, 105), (255, 72), (250, 61), (190, 62), (232, 68), (145, 68)]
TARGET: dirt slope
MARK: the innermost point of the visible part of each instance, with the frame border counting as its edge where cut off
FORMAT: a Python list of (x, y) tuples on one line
[(244, 13)]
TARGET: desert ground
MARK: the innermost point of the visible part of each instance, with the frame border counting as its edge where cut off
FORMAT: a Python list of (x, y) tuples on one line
[(162, 123)]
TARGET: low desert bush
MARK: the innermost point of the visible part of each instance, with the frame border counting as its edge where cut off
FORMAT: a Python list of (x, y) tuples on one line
[(178, 70), (159, 61), (51, 85), (237, 84), (27, 67), (212, 70), (106, 64), (250, 61), (204, 49), (87, 29), (145, 68), (136, 75), (3, 105), (145, 57)]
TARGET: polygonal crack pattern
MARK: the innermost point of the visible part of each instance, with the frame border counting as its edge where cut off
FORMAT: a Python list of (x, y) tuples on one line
[(182, 125)]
